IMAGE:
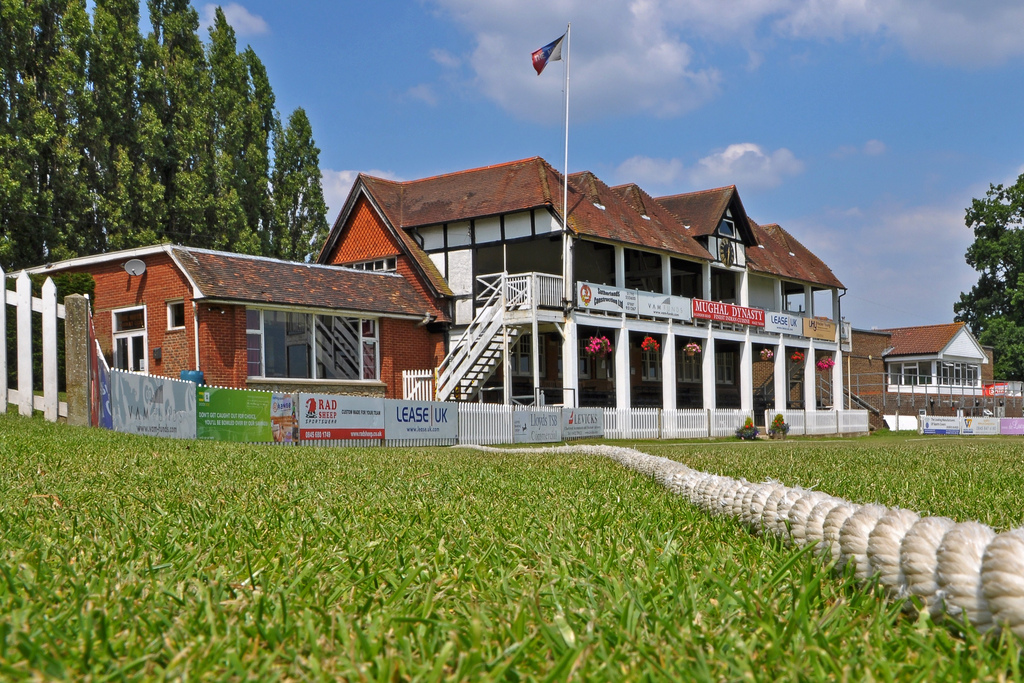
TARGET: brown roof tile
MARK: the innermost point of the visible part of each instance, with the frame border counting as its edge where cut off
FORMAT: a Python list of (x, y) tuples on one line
[(782, 255), (924, 339), (702, 210), (255, 279)]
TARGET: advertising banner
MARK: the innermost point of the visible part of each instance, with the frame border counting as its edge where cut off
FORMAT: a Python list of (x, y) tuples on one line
[(536, 426), (325, 417), (582, 423), (157, 406), (783, 323), (244, 416), (815, 328), (728, 313), (941, 425), (664, 306), (605, 298), (979, 425), (420, 420), (1011, 426)]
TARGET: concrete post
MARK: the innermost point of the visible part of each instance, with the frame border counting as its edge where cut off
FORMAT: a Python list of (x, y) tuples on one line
[(708, 373), (76, 359)]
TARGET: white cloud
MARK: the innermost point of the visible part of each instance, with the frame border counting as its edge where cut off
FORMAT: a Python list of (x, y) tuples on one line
[(242, 20), (903, 265), (744, 164), (337, 184), (637, 56), (871, 148), (874, 148), (423, 92)]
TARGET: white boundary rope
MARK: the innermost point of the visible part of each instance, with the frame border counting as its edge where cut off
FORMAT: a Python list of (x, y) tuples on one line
[(963, 571)]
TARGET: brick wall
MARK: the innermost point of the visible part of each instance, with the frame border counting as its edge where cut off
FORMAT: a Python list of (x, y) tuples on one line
[(161, 283), (406, 346)]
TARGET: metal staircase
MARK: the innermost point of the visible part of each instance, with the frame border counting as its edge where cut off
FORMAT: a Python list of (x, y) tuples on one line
[(476, 354)]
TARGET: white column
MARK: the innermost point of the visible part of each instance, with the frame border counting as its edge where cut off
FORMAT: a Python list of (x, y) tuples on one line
[(808, 301), (535, 356), (568, 267), (506, 367), (620, 266), (835, 309), (809, 402), (781, 377), (666, 274), (668, 370), (707, 371), (570, 365), (838, 395), (705, 271), (747, 374), (780, 305), (744, 298), (622, 378)]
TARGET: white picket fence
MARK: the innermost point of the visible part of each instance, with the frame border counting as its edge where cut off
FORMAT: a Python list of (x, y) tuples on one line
[(25, 305), (418, 385), (820, 422), (482, 424), (685, 424)]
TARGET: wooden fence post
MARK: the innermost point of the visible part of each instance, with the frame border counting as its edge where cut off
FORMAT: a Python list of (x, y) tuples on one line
[(24, 317), (77, 359), (49, 328)]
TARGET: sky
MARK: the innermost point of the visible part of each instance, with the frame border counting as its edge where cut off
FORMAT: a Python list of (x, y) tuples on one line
[(862, 127)]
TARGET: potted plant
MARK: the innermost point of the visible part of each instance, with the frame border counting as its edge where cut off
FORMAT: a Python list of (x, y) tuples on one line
[(748, 431), (650, 344), (825, 364), (797, 357), (692, 349), (767, 354), (598, 346), (778, 428)]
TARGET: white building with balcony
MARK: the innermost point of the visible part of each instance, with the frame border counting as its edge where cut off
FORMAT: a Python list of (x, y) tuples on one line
[(634, 301)]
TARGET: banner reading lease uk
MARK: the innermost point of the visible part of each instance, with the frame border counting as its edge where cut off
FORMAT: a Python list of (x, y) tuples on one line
[(728, 313), (325, 417)]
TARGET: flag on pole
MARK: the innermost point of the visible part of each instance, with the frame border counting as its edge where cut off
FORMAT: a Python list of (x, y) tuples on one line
[(552, 52)]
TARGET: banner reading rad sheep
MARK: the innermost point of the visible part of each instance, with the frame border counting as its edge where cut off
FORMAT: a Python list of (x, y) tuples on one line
[(325, 417), (421, 420), (582, 423), (157, 406)]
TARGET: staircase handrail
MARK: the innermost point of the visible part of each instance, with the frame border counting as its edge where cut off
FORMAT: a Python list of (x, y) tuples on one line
[(491, 299)]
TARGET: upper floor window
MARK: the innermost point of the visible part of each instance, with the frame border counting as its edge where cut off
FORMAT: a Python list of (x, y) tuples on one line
[(726, 228), (382, 264), (175, 315)]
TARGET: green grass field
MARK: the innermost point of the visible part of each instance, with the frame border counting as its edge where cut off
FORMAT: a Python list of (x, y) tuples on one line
[(131, 558)]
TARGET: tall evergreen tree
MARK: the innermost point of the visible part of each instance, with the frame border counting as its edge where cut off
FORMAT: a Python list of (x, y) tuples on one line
[(300, 224), (175, 87)]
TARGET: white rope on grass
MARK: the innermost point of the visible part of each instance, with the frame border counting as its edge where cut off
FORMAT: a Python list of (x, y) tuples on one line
[(964, 571)]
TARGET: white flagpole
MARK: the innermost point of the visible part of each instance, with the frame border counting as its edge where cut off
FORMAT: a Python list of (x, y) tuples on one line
[(565, 167)]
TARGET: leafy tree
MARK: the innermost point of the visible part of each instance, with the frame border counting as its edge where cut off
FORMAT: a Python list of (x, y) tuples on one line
[(994, 308), (301, 214)]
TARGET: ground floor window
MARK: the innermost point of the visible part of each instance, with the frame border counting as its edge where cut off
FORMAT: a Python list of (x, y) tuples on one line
[(725, 368), (522, 354), (307, 346), (129, 328)]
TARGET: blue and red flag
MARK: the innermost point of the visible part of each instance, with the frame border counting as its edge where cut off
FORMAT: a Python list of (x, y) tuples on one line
[(552, 52)]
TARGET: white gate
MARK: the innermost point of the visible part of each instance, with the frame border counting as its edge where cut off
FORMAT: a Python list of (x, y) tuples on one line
[(418, 385), (25, 305)]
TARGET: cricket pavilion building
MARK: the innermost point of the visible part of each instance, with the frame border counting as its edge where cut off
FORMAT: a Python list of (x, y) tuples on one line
[(623, 301)]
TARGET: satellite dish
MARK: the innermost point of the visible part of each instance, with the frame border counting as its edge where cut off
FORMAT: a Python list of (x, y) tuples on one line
[(135, 267)]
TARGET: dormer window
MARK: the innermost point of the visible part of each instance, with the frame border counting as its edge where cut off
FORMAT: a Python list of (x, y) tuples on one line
[(726, 229)]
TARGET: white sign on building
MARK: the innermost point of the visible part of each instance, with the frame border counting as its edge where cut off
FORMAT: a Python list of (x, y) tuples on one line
[(582, 423), (664, 306), (783, 323), (605, 298)]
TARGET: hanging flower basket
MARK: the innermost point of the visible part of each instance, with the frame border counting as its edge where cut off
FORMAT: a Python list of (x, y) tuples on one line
[(767, 354), (692, 349), (797, 357), (598, 346), (650, 344), (825, 364)]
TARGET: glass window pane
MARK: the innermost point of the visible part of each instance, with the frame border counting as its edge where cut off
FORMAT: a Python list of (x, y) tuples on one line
[(337, 347), (369, 360), (287, 344), (252, 319), (138, 353), (252, 355)]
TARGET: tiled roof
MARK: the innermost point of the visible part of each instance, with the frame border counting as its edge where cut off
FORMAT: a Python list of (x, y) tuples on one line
[(702, 210), (255, 279), (925, 339), (783, 256)]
